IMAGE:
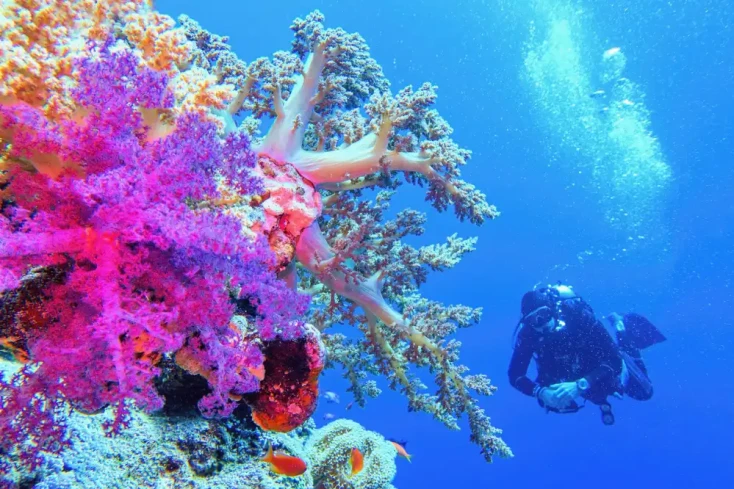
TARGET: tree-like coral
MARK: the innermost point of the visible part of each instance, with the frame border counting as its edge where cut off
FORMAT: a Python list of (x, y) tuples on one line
[(336, 123)]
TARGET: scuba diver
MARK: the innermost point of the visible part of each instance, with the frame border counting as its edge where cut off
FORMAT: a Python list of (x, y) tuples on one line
[(576, 357)]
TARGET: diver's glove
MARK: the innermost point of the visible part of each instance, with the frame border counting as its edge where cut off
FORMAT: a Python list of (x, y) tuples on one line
[(616, 321), (547, 400), (557, 397)]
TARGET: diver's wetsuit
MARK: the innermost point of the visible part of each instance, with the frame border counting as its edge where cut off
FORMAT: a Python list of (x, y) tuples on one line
[(583, 348)]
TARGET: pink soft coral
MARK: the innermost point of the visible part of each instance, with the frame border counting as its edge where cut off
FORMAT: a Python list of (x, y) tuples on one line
[(147, 270)]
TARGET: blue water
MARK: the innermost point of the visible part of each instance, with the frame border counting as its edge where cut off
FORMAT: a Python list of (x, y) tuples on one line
[(555, 225)]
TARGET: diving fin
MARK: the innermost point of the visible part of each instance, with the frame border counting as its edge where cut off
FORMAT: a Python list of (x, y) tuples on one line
[(641, 332)]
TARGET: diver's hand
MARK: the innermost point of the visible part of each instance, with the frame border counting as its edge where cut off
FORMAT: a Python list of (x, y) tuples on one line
[(563, 394), (614, 318), (546, 396)]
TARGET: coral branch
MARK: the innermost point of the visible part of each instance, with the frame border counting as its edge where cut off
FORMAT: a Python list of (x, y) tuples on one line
[(314, 252), (285, 137), (372, 270)]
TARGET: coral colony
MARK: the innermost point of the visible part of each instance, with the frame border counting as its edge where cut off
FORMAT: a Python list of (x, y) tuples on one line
[(165, 203)]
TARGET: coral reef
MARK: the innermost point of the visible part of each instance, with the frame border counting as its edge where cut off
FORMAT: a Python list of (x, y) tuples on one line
[(140, 221), (118, 209), (182, 451), (188, 451)]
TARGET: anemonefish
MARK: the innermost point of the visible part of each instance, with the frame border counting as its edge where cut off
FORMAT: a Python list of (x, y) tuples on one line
[(357, 460), (400, 447), (283, 464)]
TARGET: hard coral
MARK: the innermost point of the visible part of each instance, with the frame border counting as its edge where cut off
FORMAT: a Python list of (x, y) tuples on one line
[(329, 449), (288, 393)]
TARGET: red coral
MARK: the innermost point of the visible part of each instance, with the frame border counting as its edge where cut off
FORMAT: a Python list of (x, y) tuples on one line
[(289, 391), (290, 205)]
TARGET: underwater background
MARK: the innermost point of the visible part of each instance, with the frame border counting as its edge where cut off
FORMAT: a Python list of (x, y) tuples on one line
[(636, 216)]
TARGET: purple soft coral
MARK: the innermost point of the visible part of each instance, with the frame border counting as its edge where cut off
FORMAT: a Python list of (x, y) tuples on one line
[(148, 270)]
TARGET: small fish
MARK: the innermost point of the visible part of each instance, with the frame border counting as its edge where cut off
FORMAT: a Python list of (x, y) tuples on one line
[(611, 52), (328, 417), (349, 406), (597, 94), (400, 447), (357, 461), (283, 464), (331, 397)]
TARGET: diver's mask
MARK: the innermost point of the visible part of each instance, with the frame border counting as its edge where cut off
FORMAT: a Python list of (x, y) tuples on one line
[(537, 318)]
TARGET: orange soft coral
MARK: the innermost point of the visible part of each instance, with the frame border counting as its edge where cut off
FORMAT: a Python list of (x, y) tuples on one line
[(40, 39), (35, 39), (163, 48)]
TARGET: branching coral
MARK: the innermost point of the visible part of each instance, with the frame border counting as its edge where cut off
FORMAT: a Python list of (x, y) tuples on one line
[(336, 123), (329, 450), (419, 334)]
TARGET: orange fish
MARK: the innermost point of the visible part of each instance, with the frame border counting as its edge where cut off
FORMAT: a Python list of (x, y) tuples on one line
[(357, 461), (283, 464), (400, 447)]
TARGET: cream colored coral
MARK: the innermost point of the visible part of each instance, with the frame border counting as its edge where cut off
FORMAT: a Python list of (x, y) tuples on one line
[(329, 450)]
